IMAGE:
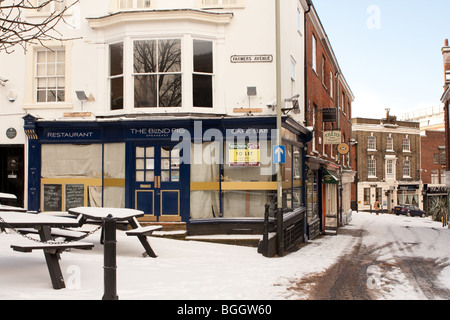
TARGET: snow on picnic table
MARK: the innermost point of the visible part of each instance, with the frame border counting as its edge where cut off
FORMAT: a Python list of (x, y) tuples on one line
[(194, 270)]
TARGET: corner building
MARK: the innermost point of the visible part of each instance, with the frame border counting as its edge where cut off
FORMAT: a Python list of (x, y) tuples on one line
[(167, 107)]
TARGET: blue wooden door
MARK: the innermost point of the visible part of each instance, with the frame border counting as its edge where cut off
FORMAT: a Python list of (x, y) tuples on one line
[(157, 181)]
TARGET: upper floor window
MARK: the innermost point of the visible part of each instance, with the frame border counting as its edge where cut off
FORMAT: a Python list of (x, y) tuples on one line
[(407, 168), (406, 145), (51, 6), (157, 73), (314, 53), (50, 76), (372, 167), (116, 75), (202, 81), (134, 4), (220, 2), (389, 143), (372, 143)]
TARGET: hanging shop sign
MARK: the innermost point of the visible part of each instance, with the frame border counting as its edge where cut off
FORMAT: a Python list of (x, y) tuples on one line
[(343, 148), (332, 137), (329, 115), (243, 154)]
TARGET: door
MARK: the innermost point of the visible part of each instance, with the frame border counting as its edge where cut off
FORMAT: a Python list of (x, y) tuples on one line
[(157, 185), (12, 174)]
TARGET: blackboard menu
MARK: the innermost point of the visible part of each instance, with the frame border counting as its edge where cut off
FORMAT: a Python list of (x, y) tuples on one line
[(74, 196), (52, 197)]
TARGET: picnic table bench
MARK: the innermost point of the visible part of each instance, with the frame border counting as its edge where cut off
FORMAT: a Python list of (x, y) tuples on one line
[(44, 224), (120, 215), (67, 234)]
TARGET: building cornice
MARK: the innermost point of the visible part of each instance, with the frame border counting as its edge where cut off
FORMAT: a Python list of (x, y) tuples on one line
[(160, 15)]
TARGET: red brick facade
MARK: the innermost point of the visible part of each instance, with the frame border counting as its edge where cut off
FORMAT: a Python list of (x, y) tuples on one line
[(325, 89), (433, 157)]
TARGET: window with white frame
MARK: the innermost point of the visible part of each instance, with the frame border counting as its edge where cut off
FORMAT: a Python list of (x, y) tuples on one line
[(389, 143), (51, 6), (406, 144), (203, 74), (314, 53), (157, 73), (434, 177), (390, 171), (372, 167), (116, 76), (299, 20), (50, 76), (134, 4), (406, 168), (372, 143), (220, 2), (331, 84)]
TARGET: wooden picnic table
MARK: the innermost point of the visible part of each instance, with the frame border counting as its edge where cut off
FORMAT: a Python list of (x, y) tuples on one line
[(120, 214), (44, 223)]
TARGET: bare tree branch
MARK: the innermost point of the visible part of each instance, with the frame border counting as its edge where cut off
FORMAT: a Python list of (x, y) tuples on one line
[(15, 30)]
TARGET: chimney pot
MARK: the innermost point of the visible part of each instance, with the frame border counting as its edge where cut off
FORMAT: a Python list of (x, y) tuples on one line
[(446, 42)]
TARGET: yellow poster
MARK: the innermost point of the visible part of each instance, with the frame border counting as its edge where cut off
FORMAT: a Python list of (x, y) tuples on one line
[(243, 154)]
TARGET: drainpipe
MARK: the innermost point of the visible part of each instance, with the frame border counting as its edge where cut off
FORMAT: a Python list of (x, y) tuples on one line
[(305, 64)]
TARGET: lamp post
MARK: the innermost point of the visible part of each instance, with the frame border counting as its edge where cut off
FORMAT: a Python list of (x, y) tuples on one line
[(280, 239)]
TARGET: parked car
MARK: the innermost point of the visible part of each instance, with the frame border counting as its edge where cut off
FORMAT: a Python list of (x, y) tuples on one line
[(410, 211)]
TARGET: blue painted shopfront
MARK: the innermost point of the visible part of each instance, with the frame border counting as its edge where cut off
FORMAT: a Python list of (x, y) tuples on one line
[(154, 164)]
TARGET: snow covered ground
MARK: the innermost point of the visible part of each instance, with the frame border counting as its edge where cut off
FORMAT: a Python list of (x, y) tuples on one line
[(193, 270)]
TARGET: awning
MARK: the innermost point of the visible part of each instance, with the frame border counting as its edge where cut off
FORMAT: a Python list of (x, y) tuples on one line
[(330, 178)]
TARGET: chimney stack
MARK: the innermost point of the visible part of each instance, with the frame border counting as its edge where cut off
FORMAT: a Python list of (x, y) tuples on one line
[(446, 54)]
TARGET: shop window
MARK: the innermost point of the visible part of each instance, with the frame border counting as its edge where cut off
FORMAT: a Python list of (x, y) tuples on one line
[(50, 76), (116, 76), (366, 196), (157, 73), (312, 195), (203, 74), (205, 177)]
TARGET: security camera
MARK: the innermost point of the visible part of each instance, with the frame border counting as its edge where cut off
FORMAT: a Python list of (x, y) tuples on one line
[(3, 81)]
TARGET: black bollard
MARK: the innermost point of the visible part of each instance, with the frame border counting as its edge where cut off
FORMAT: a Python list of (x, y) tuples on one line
[(110, 266)]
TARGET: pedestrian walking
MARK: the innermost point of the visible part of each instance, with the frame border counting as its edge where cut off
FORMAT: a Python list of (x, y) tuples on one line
[(377, 207)]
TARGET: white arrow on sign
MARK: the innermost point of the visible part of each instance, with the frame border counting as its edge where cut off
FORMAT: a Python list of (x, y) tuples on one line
[(278, 152)]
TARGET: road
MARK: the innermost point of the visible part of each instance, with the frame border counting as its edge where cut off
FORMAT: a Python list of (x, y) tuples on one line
[(391, 258)]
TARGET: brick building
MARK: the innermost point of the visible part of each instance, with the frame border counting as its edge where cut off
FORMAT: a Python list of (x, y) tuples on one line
[(433, 164), (446, 101), (328, 114), (388, 162)]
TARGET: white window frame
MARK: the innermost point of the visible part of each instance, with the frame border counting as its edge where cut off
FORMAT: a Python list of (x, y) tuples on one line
[(53, 6), (134, 4), (48, 76), (372, 143), (30, 101), (314, 53), (372, 167), (221, 3), (389, 143), (407, 168), (406, 144)]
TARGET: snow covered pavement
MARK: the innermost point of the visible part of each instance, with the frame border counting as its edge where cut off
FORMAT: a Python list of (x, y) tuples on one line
[(193, 270)]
